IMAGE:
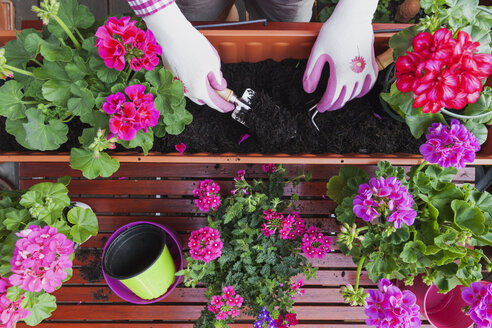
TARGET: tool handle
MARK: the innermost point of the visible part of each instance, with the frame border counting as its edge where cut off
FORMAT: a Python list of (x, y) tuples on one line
[(385, 59), (226, 94)]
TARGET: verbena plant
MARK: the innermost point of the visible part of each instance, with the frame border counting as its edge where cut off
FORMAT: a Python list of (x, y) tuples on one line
[(37, 236), (76, 70), (442, 75), (250, 254), (419, 224)]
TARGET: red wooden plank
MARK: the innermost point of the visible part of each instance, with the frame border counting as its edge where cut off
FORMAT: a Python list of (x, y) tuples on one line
[(172, 205), (323, 278), (323, 172), (166, 187), (103, 294), (187, 312)]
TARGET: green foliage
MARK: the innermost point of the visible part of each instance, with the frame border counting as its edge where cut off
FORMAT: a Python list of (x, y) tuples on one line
[(261, 269), (382, 14), (456, 15), (42, 204), (448, 218), (73, 81)]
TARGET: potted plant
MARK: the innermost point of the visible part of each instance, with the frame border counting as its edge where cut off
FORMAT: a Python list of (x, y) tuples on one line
[(250, 254), (37, 248), (421, 224), (109, 78), (441, 66)]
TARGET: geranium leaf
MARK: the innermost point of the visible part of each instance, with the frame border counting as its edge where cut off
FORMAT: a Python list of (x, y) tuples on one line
[(83, 104), (73, 15), (402, 41), (479, 130), (77, 69), (43, 136), (440, 200), (84, 224), (56, 91), (482, 105), (40, 306), (105, 74), (32, 42), (11, 105), (52, 71), (14, 293), (145, 140), (16, 54), (16, 128), (15, 218), (56, 52), (82, 159), (468, 217)]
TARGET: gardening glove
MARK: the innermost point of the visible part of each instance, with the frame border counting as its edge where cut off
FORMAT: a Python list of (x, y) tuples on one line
[(189, 56), (346, 42)]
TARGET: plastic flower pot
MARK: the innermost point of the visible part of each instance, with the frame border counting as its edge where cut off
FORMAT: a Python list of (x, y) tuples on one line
[(419, 288), (445, 310), (139, 262)]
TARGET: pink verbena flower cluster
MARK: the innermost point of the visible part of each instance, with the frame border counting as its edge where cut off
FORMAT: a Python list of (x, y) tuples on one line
[(119, 41), (296, 289), (207, 192), (390, 307), (226, 305), (387, 198), (479, 296), (315, 244), (269, 168), (443, 71), (205, 244), (291, 319), (129, 117), (445, 147), (10, 312), (288, 227), (41, 258)]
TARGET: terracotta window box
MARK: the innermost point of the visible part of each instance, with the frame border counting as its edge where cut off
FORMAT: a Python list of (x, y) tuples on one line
[(253, 43)]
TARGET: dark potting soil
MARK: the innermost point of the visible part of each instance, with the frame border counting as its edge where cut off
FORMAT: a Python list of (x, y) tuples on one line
[(279, 120), (91, 263)]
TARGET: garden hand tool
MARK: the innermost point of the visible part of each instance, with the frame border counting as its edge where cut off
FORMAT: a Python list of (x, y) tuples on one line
[(346, 42), (243, 104)]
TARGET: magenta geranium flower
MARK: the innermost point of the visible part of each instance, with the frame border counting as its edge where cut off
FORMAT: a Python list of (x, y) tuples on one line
[(207, 192), (180, 148), (205, 244), (41, 258), (315, 244), (268, 168), (232, 306), (390, 307), (479, 296), (445, 147), (385, 197), (10, 312), (119, 42), (443, 71), (288, 227), (128, 117)]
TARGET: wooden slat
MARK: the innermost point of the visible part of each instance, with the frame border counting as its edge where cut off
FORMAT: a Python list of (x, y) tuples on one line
[(323, 278), (103, 294), (165, 205), (166, 187), (133, 170), (188, 312)]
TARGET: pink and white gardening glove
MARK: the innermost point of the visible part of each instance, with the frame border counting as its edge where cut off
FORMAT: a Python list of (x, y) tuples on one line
[(185, 52), (346, 42)]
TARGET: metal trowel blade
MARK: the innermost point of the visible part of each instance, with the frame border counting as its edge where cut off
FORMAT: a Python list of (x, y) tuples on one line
[(243, 106)]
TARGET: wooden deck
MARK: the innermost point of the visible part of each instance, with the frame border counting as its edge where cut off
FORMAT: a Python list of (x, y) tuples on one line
[(162, 193)]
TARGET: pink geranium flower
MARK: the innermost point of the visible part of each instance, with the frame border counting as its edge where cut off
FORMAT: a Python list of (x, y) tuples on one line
[(479, 297), (180, 148), (119, 41), (41, 258), (10, 312)]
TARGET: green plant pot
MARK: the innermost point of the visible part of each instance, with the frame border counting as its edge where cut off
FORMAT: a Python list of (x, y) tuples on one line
[(140, 259)]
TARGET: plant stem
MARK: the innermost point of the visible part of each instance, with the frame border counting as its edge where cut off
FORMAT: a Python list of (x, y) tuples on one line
[(482, 240), (30, 102), (18, 70), (79, 34), (128, 71), (69, 33), (359, 268), (36, 61), (488, 11), (421, 166), (68, 119), (464, 117)]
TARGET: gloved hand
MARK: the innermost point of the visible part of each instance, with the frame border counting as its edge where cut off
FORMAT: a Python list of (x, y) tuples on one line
[(189, 56), (346, 42)]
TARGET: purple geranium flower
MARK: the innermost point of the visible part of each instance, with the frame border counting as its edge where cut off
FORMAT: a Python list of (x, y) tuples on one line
[(387, 197), (450, 147), (479, 296), (391, 307)]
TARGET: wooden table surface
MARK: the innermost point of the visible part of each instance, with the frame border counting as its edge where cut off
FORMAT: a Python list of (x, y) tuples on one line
[(162, 193)]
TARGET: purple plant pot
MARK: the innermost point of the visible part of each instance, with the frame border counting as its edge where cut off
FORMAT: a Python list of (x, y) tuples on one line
[(445, 310), (176, 251)]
